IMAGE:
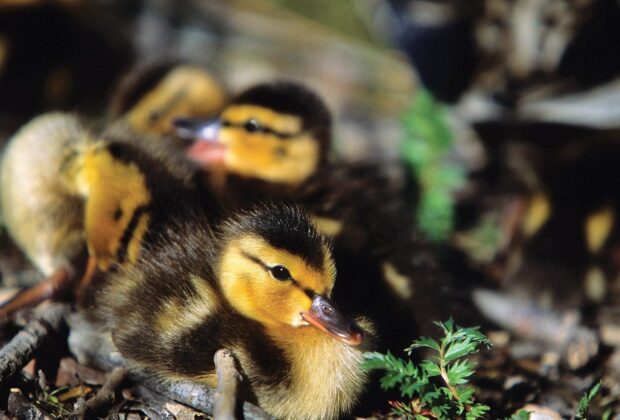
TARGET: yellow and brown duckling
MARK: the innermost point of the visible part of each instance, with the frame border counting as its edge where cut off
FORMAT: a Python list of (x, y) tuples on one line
[(260, 287), (69, 196), (566, 243), (152, 96), (272, 141)]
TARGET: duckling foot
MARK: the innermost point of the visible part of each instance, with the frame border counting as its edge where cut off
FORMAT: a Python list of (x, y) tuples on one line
[(55, 286)]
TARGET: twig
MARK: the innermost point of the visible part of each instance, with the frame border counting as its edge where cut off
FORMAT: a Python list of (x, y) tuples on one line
[(106, 396), (227, 378), (20, 350), (197, 396)]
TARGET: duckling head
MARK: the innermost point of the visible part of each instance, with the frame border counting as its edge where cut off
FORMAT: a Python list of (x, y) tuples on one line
[(276, 269), (152, 96), (275, 132)]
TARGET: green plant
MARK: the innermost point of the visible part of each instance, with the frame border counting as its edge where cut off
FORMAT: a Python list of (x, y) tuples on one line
[(47, 398), (425, 148), (584, 402), (435, 388), (520, 415)]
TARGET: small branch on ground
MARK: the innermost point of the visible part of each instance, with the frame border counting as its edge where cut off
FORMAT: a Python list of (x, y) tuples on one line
[(20, 350), (227, 379), (105, 397), (197, 396)]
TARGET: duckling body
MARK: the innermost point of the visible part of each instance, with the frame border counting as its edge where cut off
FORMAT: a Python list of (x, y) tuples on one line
[(203, 297), (40, 204), (69, 194)]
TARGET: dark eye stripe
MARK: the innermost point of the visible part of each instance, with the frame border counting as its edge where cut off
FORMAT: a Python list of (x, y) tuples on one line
[(260, 128), (256, 260)]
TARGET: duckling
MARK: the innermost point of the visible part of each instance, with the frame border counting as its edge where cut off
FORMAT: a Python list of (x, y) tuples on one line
[(153, 95), (272, 141), (568, 235), (259, 286), (40, 204), (69, 195)]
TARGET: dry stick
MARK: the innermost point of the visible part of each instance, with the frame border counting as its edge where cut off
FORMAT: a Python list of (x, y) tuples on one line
[(227, 378), (20, 350), (106, 396), (197, 396)]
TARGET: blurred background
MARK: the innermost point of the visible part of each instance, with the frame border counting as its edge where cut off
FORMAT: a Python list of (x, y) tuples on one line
[(506, 112)]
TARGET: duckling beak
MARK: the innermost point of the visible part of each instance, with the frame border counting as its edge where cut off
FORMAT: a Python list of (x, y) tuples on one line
[(205, 147), (324, 315)]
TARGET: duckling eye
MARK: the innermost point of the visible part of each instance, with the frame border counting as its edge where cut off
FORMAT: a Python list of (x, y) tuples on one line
[(251, 126), (280, 273)]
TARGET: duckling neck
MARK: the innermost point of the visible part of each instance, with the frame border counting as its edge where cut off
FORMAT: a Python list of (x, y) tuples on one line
[(326, 377), (252, 189)]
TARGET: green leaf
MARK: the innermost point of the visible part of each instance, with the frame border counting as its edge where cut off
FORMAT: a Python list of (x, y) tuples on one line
[(459, 372), (425, 148), (477, 411), (447, 326), (411, 389), (465, 394), (374, 360), (594, 390), (423, 342), (459, 349), (430, 368), (431, 396), (584, 403), (520, 415)]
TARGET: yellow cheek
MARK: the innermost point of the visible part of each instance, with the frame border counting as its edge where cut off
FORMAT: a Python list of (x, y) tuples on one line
[(248, 155), (267, 301), (264, 157), (284, 304)]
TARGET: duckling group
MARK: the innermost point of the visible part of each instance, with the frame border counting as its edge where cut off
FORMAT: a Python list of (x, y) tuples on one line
[(185, 222)]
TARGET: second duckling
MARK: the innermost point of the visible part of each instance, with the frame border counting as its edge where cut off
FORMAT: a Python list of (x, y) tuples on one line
[(70, 195)]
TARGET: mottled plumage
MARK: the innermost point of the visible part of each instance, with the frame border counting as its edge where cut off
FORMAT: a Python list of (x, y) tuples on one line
[(171, 311)]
